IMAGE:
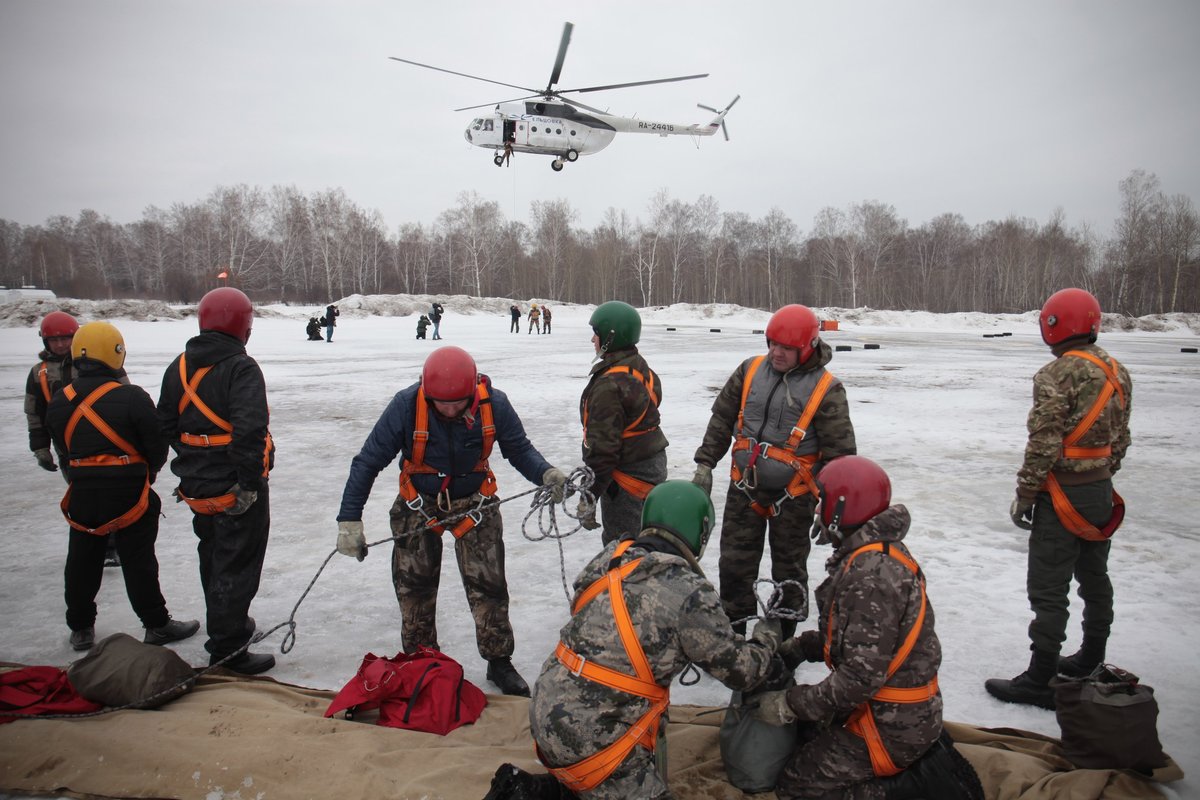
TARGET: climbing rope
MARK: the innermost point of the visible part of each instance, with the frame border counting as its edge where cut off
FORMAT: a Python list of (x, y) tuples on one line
[(578, 482)]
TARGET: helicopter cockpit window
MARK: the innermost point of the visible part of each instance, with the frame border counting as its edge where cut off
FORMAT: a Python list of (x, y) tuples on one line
[(476, 124), (487, 124)]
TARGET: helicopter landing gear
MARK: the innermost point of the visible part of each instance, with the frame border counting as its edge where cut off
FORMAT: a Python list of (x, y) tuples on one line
[(499, 161), (556, 165), (572, 155)]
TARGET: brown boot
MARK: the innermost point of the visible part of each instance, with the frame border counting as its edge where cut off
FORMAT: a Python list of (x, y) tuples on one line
[(1087, 658)]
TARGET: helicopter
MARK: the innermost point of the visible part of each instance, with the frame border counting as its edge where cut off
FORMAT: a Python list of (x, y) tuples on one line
[(545, 122)]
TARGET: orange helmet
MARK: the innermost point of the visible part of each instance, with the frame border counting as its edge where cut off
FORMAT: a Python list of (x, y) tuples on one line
[(227, 310), (795, 326), (449, 374), (1070, 313), (853, 490), (58, 323)]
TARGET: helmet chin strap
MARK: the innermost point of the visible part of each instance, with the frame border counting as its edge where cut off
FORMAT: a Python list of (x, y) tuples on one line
[(604, 347), (831, 533)]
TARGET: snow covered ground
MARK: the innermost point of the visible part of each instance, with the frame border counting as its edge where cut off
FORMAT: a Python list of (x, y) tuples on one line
[(940, 405)]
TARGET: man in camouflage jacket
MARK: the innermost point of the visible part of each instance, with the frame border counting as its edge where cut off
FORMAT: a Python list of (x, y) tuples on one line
[(678, 619), (781, 387), (620, 420), (1064, 393), (868, 606)]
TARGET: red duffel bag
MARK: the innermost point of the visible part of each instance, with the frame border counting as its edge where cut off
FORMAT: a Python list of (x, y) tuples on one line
[(421, 691), (33, 691)]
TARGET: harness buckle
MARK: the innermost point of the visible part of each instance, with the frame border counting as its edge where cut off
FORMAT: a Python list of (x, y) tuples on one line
[(578, 668), (417, 504)]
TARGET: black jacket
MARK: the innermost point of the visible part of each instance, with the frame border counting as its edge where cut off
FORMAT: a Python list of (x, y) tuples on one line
[(236, 392)]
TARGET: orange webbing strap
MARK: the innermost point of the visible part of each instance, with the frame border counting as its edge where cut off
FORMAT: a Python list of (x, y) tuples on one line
[(593, 770), (746, 381), (85, 410), (190, 396), (802, 482), (635, 486), (631, 429), (1067, 514), (44, 380), (208, 506), (417, 466), (862, 721), (1074, 522)]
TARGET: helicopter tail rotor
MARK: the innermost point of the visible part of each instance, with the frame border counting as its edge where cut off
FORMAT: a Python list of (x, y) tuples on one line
[(721, 114)]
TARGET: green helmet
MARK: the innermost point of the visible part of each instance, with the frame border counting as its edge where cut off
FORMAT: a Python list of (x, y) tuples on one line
[(617, 324), (682, 508)]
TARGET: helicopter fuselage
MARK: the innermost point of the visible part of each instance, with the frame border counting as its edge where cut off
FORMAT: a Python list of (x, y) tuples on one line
[(553, 129)]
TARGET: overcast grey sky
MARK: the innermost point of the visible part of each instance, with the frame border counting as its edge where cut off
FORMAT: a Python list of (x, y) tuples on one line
[(985, 109)]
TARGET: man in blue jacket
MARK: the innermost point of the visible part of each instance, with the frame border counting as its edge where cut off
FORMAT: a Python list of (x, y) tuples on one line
[(444, 428)]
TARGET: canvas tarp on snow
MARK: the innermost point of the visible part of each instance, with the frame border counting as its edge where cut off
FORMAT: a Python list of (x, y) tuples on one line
[(237, 737)]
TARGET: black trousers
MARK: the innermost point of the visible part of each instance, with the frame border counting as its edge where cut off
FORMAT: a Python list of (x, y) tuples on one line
[(135, 545), (231, 551)]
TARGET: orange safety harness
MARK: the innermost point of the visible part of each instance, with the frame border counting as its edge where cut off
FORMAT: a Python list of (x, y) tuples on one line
[(417, 466), (802, 482), (635, 486), (44, 380), (595, 769), (209, 506), (131, 456), (862, 720), (1070, 518)]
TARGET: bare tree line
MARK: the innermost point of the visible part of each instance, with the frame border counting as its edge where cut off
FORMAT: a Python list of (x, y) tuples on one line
[(282, 245)]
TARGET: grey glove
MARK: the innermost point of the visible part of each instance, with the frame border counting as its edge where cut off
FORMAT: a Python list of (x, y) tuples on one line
[(1021, 512), (242, 500), (556, 478), (773, 708), (703, 478), (351, 541), (586, 512), (768, 632), (45, 460)]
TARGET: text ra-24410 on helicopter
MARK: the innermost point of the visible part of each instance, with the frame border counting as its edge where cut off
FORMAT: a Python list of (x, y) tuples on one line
[(546, 123)]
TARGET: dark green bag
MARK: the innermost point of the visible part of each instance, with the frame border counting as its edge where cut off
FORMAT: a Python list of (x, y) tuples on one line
[(121, 671), (754, 751), (1108, 720)]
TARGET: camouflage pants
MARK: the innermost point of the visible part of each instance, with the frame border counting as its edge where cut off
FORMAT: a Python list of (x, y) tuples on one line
[(743, 536), (1056, 555), (622, 512), (417, 570), (833, 765)]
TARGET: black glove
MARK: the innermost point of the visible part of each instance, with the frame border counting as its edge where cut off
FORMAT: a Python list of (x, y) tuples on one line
[(1021, 512), (242, 500), (45, 460)]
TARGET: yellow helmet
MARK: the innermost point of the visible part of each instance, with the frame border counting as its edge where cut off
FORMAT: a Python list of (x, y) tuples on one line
[(99, 341), (533, 305)]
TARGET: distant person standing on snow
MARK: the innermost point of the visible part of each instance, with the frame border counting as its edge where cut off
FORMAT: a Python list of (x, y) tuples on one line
[(435, 316), (535, 316), (785, 415), (331, 315), (422, 326), (514, 311), (444, 428), (213, 410), (545, 319), (622, 441), (1078, 435)]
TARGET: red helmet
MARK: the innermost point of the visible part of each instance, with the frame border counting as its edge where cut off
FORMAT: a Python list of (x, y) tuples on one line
[(1070, 313), (58, 323), (853, 490), (795, 326), (227, 310), (449, 374)]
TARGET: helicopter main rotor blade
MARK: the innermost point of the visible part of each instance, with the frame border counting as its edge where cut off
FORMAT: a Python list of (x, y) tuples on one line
[(464, 74), (485, 105), (633, 83), (562, 55)]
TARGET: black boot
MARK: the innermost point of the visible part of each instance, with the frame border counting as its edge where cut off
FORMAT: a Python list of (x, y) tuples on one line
[(941, 774), (1031, 687), (514, 783), (1088, 657), (501, 672)]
